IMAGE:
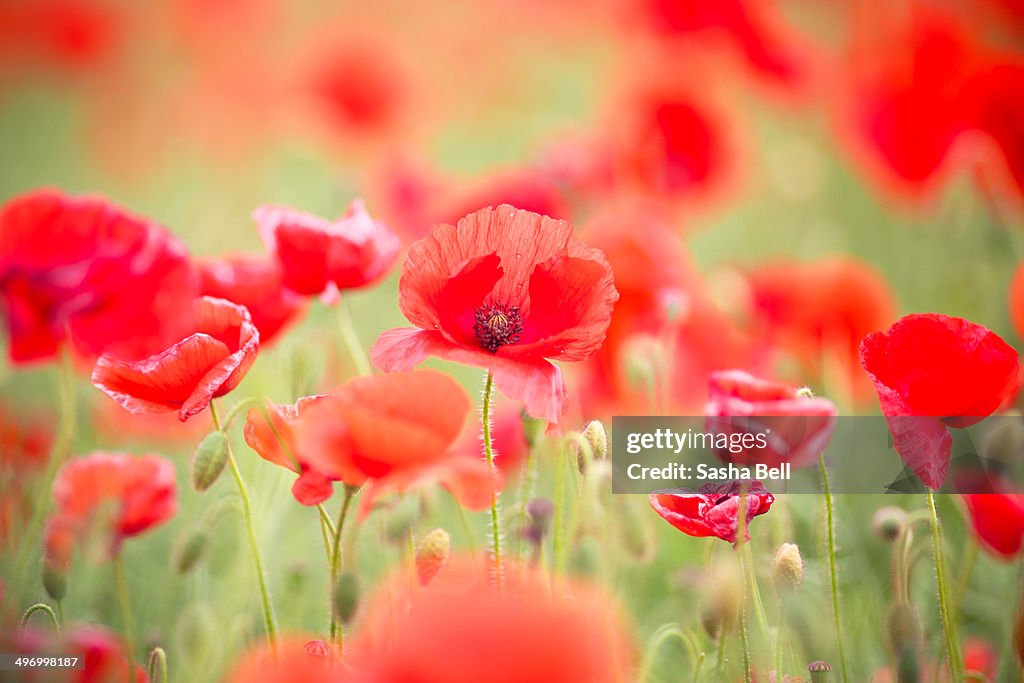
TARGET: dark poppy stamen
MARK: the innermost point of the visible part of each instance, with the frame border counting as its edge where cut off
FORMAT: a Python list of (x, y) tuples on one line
[(497, 325)]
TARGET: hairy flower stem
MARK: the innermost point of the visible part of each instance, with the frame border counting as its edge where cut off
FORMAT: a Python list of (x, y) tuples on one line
[(350, 340), (741, 541), (833, 570), (257, 561), (157, 669), (127, 622), (956, 665), (720, 656), (40, 607), (336, 628), (485, 420)]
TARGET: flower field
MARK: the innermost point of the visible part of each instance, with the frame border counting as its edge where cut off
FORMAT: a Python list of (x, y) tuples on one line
[(319, 321)]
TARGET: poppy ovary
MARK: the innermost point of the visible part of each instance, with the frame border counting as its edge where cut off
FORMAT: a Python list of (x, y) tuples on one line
[(497, 325)]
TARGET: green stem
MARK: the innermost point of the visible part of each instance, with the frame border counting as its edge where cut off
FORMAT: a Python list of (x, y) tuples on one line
[(326, 531), (720, 655), (660, 637), (336, 628), (489, 456), (746, 645), (833, 569), (559, 550), (40, 607), (157, 669), (123, 599), (233, 412), (778, 638), (948, 628), (967, 567), (60, 611), (257, 561), (351, 341), (755, 592)]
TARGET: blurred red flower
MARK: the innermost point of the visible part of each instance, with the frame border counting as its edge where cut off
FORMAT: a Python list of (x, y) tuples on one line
[(818, 312), (933, 372), (1017, 300), (798, 428), (82, 269), (998, 521), (391, 432), (257, 284), (289, 662), (996, 98), (503, 290), (318, 256), (508, 439), (464, 626), (186, 376), (275, 442), (714, 509), (102, 653), (125, 494), (65, 35)]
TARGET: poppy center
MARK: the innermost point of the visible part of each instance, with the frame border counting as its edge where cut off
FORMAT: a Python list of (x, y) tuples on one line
[(497, 325)]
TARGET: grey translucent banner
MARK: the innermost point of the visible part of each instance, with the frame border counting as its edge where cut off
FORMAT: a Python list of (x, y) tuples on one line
[(981, 455)]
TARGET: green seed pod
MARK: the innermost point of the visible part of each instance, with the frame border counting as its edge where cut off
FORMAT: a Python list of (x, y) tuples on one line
[(208, 462), (55, 580), (820, 671), (189, 549), (432, 555), (345, 598)]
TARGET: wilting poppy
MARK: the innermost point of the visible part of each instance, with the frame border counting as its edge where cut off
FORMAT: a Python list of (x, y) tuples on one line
[(254, 282), (714, 509), (290, 661), (817, 312), (504, 290), (274, 441), (464, 626), (317, 255), (998, 521), (933, 372), (185, 377), (390, 432), (127, 494), (102, 654), (797, 428), (84, 270)]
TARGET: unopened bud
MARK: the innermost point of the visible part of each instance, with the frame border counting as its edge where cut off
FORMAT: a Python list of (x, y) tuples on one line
[(724, 590), (208, 462), (788, 567), (345, 598), (432, 555), (904, 628), (819, 671), (888, 522), (533, 428), (55, 580), (597, 437), (805, 392), (189, 549), (633, 529)]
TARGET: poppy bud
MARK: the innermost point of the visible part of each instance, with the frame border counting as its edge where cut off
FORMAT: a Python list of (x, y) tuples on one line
[(807, 392), (819, 671), (904, 629), (597, 437), (633, 529), (345, 598), (888, 522), (788, 567), (189, 550), (208, 462), (432, 555), (55, 580), (533, 428), (402, 519)]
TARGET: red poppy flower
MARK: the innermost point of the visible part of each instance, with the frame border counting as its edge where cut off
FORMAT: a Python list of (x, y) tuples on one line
[(102, 653), (289, 662), (83, 269), (503, 290), (464, 626), (714, 509), (275, 442), (904, 103), (256, 283), (819, 311), (508, 439), (753, 28), (798, 428), (69, 35), (998, 521), (317, 255), (185, 377), (1017, 300), (933, 372), (996, 95), (137, 491), (393, 431)]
